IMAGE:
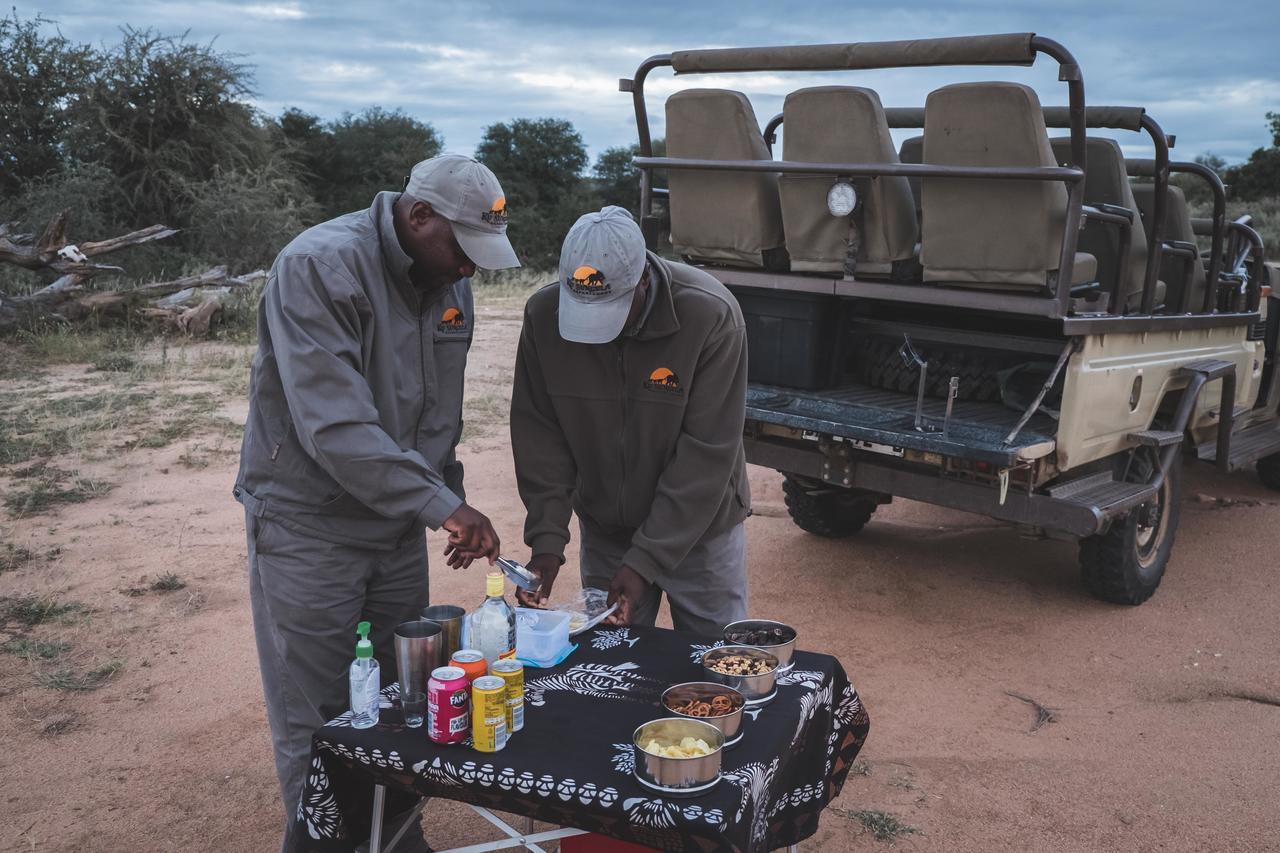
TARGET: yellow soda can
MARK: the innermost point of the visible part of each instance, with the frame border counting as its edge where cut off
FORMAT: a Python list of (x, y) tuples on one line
[(489, 713), (512, 672)]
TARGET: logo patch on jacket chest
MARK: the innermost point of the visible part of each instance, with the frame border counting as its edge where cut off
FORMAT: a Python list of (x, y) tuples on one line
[(452, 322), (664, 380)]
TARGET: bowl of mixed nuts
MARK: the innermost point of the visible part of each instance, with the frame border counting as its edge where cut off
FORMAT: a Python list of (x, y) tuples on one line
[(748, 670), (775, 637)]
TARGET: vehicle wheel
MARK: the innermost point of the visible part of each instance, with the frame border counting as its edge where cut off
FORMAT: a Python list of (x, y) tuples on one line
[(826, 510), (1268, 468), (1125, 564), (877, 363)]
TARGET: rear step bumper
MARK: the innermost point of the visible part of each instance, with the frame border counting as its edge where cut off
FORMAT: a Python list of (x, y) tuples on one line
[(1082, 508)]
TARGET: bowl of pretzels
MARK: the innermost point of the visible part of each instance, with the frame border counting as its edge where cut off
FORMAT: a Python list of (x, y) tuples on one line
[(717, 704)]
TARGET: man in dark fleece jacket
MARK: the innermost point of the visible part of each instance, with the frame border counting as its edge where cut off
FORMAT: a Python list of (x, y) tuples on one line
[(627, 409)]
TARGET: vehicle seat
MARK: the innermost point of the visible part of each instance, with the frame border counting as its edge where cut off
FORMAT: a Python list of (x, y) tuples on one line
[(993, 234), (842, 124), (728, 218), (1107, 182), (912, 151), (1177, 227)]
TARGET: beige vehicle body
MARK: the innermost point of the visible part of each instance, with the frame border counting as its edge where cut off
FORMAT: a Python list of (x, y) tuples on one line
[(982, 316)]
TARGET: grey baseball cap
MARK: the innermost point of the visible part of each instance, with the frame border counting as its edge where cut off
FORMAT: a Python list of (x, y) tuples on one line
[(601, 262), (468, 195)]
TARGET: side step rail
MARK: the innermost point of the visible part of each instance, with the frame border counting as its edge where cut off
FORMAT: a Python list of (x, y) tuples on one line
[(1167, 441)]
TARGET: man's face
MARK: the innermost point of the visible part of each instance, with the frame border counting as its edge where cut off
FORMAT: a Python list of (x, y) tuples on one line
[(438, 260)]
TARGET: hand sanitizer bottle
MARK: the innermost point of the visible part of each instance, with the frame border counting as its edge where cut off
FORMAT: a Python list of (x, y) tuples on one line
[(365, 682)]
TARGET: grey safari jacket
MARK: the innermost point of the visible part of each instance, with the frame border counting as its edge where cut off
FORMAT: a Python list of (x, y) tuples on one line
[(355, 400)]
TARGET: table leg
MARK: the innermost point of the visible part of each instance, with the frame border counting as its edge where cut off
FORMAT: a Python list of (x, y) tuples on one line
[(792, 848), (375, 830), (408, 822)]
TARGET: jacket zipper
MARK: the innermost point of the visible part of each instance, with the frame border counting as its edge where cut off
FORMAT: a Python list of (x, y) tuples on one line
[(622, 440), (422, 368)]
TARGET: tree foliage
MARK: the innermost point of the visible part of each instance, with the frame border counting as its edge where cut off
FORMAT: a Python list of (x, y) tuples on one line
[(40, 78), (618, 181), (539, 163), (1259, 176)]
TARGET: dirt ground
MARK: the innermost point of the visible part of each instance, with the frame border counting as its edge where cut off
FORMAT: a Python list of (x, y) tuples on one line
[(136, 722)]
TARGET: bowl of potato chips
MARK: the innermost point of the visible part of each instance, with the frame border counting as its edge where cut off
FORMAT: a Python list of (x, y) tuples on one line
[(677, 756)]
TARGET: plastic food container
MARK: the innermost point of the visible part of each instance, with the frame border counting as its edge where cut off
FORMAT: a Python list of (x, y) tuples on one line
[(677, 777), (540, 634)]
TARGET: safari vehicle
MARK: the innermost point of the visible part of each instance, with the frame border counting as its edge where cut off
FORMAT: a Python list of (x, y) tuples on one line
[(987, 318)]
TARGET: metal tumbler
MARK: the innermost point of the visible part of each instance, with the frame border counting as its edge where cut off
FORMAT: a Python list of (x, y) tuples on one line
[(418, 651), (449, 617)]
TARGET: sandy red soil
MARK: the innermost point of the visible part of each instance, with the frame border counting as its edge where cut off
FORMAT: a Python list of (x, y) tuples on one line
[(1166, 736)]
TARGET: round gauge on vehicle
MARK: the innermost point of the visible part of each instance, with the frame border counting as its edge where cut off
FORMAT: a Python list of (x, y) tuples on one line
[(842, 198)]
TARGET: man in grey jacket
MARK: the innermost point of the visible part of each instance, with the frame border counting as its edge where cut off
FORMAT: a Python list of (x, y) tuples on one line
[(355, 411)]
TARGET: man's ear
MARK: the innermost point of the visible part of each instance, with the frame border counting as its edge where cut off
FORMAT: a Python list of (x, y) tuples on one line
[(421, 213)]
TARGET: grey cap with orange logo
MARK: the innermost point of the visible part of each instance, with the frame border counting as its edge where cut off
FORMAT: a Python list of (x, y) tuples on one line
[(601, 262), (468, 195)]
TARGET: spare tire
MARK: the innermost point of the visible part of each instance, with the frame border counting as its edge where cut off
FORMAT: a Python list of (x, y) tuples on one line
[(876, 362)]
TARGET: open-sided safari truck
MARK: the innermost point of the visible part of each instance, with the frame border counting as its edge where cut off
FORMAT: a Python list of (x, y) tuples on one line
[(987, 318)]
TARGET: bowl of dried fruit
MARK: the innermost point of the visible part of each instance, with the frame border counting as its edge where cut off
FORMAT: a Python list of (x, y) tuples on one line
[(774, 637), (748, 670), (677, 756), (717, 704)]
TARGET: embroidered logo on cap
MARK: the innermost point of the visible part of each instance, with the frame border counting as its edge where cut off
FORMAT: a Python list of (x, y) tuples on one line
[(663, 379), (497, 212), (588, 280), (452, 321)]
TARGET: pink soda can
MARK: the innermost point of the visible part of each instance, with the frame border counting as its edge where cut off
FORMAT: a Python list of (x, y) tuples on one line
[(448, 705)]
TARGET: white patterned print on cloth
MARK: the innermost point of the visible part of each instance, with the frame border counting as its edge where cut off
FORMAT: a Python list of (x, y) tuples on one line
[(598, 680), (318, 808), (604, 640)]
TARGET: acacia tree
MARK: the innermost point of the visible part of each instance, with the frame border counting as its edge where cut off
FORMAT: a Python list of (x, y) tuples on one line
[(163, 114), (40, 76)]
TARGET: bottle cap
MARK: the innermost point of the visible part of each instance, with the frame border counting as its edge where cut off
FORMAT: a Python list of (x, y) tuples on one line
[(493, 585), (364, 648)]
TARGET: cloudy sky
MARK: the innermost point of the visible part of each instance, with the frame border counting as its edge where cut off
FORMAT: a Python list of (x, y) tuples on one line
[(1207, 77)]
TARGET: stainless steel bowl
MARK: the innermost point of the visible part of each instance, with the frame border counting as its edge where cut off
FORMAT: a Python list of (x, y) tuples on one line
[(756, 689), (730, 724), (677, 776), (782, 651)]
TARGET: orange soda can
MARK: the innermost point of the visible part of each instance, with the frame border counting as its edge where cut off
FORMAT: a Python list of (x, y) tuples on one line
[(471, 662)]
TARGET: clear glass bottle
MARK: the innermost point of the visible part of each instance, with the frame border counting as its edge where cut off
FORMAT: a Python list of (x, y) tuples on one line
[(366, 682), (492, 626)]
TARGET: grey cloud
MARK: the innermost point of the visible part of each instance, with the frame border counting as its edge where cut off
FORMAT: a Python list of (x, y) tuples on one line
[(1207, 77)]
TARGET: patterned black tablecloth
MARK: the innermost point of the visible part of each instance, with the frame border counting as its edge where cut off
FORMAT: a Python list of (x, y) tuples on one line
[(571, 765)]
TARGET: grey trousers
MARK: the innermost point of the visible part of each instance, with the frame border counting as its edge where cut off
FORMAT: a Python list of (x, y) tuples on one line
[(707, 591), (307, 596)]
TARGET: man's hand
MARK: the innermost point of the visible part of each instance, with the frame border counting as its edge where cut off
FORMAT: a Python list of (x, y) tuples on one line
[(471, 537), (627, 589), (546, 567)]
